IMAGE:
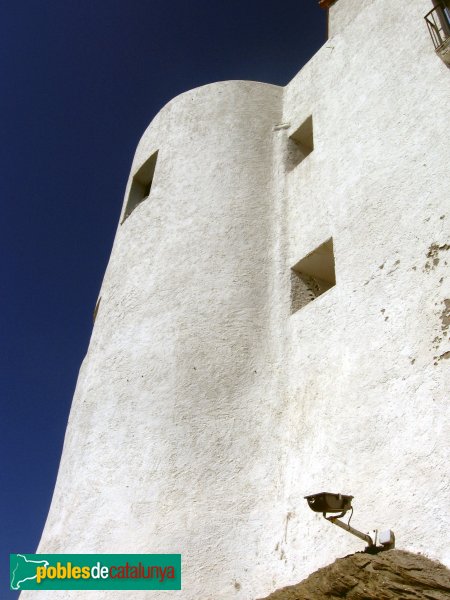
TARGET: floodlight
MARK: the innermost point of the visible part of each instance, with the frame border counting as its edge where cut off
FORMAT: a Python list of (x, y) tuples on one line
[(326, 502), (329, 503)]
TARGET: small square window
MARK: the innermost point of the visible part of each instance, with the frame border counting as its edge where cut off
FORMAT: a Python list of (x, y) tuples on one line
[(141, 185), (300, 143), (312, 276)]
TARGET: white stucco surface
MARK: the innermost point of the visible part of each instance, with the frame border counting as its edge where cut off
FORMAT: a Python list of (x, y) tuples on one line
[(204, 410)]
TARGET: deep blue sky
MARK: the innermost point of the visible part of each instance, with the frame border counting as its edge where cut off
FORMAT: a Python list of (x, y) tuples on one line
[(80, 81)]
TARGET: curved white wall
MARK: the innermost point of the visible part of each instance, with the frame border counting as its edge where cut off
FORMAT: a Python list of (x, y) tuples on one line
[(167, 446)]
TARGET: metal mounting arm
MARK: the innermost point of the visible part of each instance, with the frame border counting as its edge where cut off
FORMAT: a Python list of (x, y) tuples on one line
[(362, 536)]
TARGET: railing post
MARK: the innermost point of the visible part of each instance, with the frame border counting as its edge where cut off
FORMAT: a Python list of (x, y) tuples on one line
[(438, 22)]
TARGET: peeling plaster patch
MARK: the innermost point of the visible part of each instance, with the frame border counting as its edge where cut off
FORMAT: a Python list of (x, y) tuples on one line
[(445, 319), (288, 517), (444, 355), (445, 315), (393, 268), (397, 262), (437, 340), (433, 255)]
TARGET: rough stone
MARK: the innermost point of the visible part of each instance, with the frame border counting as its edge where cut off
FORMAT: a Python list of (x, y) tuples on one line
[(382, 576)]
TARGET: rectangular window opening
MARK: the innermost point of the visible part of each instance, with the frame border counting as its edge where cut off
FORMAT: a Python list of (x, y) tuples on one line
[(300, 143), (312, 276), (141, 185)]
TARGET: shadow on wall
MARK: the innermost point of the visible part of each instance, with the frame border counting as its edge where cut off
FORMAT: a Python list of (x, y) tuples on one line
[(312, 276)]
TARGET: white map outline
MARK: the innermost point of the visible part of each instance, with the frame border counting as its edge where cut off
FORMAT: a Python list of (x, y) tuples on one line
[(38, 562)]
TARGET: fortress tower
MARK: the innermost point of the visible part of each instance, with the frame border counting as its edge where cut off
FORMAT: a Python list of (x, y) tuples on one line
[(274, 322)]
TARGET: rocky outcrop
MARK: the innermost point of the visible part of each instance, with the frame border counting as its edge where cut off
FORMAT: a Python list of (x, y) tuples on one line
[(382, 576)]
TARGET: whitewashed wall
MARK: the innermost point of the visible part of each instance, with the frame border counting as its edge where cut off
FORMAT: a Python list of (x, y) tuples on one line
[(204, 410)]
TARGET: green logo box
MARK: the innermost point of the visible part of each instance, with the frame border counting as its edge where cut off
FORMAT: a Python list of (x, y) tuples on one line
[(95, 571)]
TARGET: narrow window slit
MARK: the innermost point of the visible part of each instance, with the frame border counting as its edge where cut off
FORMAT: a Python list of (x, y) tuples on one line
[(300, 143), (141, 185), (97, 306), (312, 276)]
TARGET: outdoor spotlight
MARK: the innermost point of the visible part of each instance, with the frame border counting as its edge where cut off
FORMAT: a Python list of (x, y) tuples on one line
[(326, 502), (329, 503)]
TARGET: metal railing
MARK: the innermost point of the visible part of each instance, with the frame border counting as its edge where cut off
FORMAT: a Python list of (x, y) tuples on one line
[(438, 22)]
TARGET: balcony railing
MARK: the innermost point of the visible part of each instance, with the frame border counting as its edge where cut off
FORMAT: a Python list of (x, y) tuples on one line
[(438, 22)]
